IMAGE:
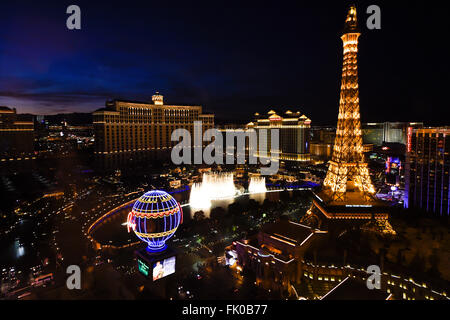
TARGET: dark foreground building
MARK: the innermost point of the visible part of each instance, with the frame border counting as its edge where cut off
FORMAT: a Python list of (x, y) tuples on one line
[(352, 289), (276, 254)]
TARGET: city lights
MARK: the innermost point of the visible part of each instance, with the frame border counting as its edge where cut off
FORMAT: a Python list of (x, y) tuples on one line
[(201, 158)]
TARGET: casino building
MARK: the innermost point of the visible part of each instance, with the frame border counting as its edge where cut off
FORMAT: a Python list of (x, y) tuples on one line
[(427, 178), (16, 136), (125, 127), (387, 132), (276, 253), (294, 134)]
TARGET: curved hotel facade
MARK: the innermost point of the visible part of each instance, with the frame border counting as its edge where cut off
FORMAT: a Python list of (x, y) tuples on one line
[(128, 126)]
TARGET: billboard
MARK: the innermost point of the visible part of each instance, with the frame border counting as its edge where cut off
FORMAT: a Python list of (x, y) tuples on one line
[(163, 268)]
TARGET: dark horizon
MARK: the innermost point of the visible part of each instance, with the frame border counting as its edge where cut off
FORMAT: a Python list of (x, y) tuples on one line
[(232, 61)]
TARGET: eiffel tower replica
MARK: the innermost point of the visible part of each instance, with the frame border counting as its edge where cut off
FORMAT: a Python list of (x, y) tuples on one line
[(347, 197)]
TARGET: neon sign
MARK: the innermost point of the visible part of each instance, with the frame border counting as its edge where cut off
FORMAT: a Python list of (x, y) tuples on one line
[(410, 131), (130, 224), (388, 165)]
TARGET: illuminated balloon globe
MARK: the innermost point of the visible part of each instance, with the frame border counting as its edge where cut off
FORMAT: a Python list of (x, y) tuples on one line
[(154, 219)]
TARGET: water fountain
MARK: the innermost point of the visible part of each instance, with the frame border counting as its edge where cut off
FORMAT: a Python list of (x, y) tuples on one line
[(215, 186), (219, 185), (257, 189), (197, 199), (257, 185)]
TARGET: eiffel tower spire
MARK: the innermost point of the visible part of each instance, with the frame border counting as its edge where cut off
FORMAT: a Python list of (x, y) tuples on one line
[(348, 169), (351, 23)]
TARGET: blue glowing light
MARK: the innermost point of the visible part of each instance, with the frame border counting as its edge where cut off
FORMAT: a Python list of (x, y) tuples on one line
[(154, 219)]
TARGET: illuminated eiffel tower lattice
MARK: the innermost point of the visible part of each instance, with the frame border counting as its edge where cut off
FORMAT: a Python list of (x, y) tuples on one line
[(348, 169), (348, 195)]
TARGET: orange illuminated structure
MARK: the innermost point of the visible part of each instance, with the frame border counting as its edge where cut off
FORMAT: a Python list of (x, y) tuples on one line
[(348, 193), (348, 165)]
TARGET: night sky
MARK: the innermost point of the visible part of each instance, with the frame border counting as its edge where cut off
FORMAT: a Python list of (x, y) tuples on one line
[(232, 60)]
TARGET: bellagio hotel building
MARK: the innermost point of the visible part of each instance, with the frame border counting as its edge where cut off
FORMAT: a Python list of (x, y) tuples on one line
[(126, 126)]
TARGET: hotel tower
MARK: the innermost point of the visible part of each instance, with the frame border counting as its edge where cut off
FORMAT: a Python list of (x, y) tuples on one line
[(125, 127)]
